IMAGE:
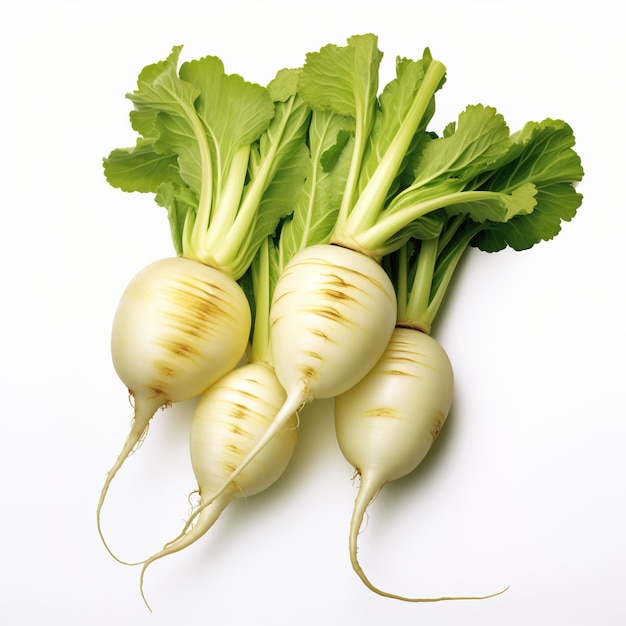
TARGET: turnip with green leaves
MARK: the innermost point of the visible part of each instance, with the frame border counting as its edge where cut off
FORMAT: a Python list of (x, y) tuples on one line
[(334, 307), (338, 217), (234, 414), (231, 417), (387, 423), (226, 160)]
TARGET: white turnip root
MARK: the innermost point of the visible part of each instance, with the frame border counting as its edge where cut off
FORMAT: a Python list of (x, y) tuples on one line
[(227, 158), (230, 418), (387, 423), (342, 180), (332, 314), (180, 326), (334, 307), (333, 311)]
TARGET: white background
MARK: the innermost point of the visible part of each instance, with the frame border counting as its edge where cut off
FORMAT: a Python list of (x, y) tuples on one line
[(526, 486)]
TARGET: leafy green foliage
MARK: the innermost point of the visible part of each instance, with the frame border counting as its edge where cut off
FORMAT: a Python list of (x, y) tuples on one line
[(250, 175), (140, 168), (486, 188), (221, 155), (544, 156), (316, 209), (344, 80)]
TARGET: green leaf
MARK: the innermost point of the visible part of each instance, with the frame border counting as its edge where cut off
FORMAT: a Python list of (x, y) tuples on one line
[(219, 154), (476, 143), (394, 104), (165, 113), (555, 203), (495, 206), (204, 117), (344, 80), (180, 202), (317, 206), (284, 85), (523, 183), (427, 227), (140, 168), (234, 112), (330, 156), (277, 173), (544, 155), (400, 118)]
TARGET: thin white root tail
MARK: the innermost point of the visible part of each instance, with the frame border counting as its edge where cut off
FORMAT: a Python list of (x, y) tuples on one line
[(144, 411), (204, 522), (367, 492)]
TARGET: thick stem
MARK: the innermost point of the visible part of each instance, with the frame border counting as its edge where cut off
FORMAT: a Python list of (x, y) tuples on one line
[(239, 234), (220, 229), (391, 223), (348, 196), (145, 408), (369, 488), (205, 202), (401, 284), (448, 259), (419, 298), (262, 285), (206, 518), (365, 212)]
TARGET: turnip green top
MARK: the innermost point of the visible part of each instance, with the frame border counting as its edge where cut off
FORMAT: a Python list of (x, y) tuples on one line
[(225, 157), (403, 181), (320, 155)]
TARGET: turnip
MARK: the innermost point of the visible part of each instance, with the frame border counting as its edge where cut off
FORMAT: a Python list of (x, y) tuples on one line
[(316, 188), (387, 423), (494, 190), (218, 152), (231, 416), (234, 414), (180, 325), (334, 309)]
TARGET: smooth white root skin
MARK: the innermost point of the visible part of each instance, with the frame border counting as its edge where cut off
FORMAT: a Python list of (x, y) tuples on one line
[(179, 326), (229, 420), (387, 423), (332, 314)]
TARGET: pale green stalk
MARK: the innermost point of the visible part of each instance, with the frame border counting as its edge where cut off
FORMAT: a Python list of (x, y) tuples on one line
[(367, 209), (203, 214), (401, 284), (262, 286), (375, 237), (347, 202), (227, 204), (429, 314), (419, 296)]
